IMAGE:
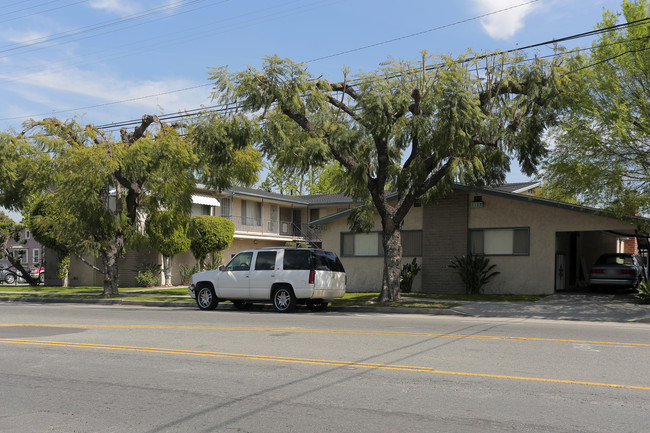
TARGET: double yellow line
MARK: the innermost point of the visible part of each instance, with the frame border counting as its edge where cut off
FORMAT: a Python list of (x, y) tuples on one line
[(330, 331), (309, 361)]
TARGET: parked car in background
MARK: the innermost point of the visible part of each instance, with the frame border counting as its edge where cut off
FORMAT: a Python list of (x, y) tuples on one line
[(38, 273), (619, 270), (284, 276), (8, 274)]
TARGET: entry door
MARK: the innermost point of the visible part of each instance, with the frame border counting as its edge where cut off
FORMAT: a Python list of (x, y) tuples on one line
[(234, 280), (263, 275), (297, 222)]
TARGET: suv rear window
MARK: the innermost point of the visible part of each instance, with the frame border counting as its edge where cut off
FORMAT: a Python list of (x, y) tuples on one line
[(296, 260), (326, 261)]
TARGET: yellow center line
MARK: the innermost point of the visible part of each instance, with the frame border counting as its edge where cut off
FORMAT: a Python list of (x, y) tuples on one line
[(329, 331), (325, 362)]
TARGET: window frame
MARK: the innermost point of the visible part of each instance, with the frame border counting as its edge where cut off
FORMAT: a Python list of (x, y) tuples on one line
[(380, 248), (513, 229)]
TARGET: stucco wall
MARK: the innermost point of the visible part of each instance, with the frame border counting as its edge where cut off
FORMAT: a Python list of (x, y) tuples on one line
[(535, 273), (365, 274)]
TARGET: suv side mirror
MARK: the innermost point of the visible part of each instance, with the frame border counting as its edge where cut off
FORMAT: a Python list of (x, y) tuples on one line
[(222, 268)]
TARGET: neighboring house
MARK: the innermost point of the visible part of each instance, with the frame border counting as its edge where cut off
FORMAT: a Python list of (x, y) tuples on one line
[(27, 249), (267, 219), (538, 245), (261, 219)]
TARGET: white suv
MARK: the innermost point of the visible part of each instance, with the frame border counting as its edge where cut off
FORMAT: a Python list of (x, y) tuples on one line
[(285, 276)]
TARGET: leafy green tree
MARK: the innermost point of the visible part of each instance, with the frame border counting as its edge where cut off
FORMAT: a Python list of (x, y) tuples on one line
[(316, 180), (402, 134), (209, 235), (167, 232), (104, 186), (601, 155), (48, 224)]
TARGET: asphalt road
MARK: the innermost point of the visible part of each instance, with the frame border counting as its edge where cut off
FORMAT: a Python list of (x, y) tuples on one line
[(89, 368)]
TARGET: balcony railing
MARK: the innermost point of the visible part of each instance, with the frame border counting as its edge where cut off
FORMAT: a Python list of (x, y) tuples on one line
[(278, 228)]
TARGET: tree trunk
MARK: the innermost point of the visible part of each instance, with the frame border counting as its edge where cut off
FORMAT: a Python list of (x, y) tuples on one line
[(392, 242), (168, 271), (111, 272), (163, 281)]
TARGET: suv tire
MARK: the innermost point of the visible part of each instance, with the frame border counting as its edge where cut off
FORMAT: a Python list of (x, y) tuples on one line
[(10, 278), (206, 299), (284, 301)]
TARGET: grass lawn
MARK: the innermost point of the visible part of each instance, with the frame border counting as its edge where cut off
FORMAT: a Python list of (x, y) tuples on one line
[(411, 300)]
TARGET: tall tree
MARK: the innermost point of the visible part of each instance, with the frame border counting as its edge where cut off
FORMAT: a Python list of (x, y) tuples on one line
[(602, 152), (410, 128), (291, 181), (105, 185)]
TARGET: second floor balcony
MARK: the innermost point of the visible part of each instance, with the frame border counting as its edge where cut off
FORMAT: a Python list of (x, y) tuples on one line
[(267, 227)]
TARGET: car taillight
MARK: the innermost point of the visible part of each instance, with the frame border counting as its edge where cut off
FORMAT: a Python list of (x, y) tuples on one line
[(597, 271), (626, 271), (312, 276)]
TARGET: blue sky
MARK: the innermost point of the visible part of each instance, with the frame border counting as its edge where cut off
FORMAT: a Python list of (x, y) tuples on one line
[(67, 58)]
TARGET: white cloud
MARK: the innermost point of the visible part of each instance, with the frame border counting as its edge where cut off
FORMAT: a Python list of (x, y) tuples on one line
[(75, 89), (25, 37), (119, 7), (503, 25)]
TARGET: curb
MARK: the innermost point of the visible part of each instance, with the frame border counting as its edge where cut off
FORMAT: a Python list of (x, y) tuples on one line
[(258, 307)]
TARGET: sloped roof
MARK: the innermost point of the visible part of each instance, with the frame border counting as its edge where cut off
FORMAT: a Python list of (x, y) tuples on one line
[(509, 191)]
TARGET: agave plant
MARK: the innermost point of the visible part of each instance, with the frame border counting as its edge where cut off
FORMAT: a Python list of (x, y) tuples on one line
[(475, 271)]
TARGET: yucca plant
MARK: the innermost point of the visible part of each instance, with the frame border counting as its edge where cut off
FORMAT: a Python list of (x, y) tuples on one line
[(475, 271), (409, 271), (643, 295)]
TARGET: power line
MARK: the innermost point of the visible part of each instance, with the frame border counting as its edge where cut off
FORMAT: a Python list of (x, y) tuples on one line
[(421, 32), (39, 12), (552, 41), (99, 26), (536, 45)]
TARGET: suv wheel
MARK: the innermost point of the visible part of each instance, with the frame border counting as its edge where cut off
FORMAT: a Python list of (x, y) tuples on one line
[(41, 277), (206, 298), (10, 278), (284, 300), (316, 305)]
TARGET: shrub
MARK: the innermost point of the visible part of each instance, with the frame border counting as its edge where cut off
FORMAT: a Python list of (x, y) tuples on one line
[(474, 270), (406, 277), (643, 295), (186, 272), (147, 275), (209, 234)]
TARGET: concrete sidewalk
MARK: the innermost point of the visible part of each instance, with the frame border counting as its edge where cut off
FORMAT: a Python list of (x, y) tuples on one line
[(599, 307)]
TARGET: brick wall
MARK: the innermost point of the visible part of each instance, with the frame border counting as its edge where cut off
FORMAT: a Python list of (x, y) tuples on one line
[(444, 236), (631, 246)]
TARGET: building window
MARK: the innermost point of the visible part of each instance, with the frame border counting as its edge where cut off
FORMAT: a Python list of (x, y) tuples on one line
[(314, 214), (21, 254), (369, 244), (251, 213), (226, 207), (500, 242), (36, 256), (28, 234)]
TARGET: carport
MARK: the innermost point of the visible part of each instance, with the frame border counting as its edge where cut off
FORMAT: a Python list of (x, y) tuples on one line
[(577, 251)]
